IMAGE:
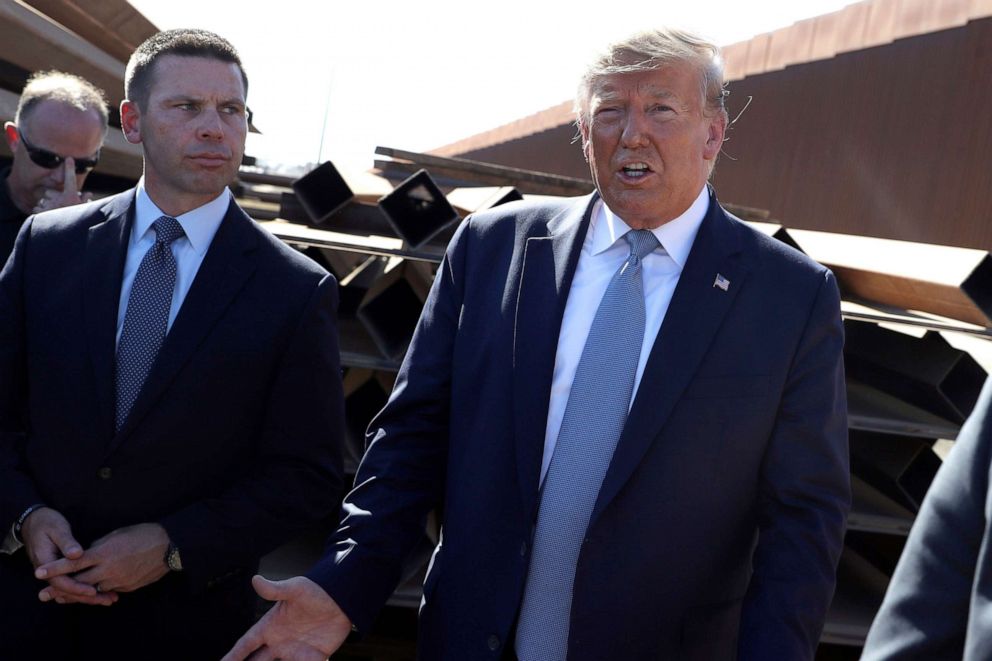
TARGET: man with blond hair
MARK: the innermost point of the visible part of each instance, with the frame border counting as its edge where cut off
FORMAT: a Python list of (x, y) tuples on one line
[(55, 140), (628, 409)]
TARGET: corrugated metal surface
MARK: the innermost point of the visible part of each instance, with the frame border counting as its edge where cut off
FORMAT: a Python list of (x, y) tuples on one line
[(889, 142)]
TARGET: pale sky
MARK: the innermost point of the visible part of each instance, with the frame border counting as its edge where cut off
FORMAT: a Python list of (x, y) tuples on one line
[(418, 75)]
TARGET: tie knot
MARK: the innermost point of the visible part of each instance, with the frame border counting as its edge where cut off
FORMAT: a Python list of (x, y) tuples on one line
[(642, 242), (167, 230)]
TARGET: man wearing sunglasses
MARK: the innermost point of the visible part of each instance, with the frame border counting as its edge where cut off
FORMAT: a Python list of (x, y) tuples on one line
[(55, 140)]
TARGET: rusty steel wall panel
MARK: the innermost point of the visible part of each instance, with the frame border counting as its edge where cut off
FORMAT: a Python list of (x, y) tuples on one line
[(888, 142), (547, 151)]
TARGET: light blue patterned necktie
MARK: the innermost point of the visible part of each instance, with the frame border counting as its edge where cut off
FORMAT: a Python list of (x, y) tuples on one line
[(594, 417), (147, 317)]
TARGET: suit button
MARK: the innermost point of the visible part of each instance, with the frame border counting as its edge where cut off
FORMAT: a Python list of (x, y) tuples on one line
[(493, 642), (523, 549), (105, 473)]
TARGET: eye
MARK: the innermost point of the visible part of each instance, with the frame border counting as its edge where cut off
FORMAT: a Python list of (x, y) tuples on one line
[(186, 106), (233, 110), (607, 114), (661, 108)]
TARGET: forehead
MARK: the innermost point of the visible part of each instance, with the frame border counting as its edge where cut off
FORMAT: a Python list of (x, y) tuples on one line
[(64, 129), (678, 81), (193, 76)]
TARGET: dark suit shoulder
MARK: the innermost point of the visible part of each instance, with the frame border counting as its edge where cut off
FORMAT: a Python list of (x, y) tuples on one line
[(77, 219), (524, 214), (770, 253), (286, 259)]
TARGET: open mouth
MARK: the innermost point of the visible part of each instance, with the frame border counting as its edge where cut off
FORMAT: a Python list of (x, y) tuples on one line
[(635, 170)]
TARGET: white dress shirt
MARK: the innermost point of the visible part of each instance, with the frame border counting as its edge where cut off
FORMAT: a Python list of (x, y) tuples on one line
[(603, 251), (200, 225)]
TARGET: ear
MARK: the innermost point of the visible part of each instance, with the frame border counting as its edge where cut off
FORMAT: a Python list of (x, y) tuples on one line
[(714, 135), (131, 121), (10, 133)]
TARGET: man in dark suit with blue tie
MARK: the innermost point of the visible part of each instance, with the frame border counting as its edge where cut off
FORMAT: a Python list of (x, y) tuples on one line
[(171, 401), (628, 409)]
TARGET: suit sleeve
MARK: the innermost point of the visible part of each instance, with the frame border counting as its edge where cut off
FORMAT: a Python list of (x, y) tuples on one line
[(17, 489), (925, 613), (804, 496), (295, 477), (401, 478)]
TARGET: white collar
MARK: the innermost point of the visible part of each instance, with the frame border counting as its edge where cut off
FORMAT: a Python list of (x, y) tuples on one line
[(676, 236), (200, 224)]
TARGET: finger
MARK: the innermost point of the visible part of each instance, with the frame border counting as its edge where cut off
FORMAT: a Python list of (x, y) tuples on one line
[(264, 654), (72, 586), (67, 544), (99, 600), (94, 576), (270, 590), (252, 641), (108, 599), (60, 597), (63, 566), (69, 176)]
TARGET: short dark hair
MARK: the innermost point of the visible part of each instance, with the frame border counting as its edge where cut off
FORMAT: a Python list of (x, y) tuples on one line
[(187, 42), (60, 87)]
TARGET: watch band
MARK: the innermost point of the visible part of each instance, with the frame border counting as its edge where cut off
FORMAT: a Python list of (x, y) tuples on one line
[(16, 530)]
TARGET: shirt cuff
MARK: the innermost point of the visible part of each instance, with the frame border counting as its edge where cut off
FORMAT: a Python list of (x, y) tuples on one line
[(10, 543)]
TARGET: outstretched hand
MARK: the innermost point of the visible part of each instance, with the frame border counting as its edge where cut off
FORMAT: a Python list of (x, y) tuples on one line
[(304, 625)]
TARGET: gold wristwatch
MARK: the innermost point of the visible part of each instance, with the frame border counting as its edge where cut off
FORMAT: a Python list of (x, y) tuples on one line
[(172, 558)]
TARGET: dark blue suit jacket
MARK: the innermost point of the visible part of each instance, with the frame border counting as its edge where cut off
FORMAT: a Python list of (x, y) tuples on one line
[(939, 602), (233, 443), (720, 520)]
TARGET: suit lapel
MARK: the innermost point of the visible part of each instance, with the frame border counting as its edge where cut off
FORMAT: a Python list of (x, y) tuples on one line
[(103, 266), (693, 317), (225, 269), (549, 263)]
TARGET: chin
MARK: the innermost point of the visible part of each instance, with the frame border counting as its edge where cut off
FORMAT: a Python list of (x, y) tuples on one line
[(213, 183)]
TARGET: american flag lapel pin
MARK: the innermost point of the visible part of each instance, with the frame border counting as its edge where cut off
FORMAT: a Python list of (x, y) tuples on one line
[(721, 282)]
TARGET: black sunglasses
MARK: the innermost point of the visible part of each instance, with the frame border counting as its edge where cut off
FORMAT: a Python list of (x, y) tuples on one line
[(49, 160)]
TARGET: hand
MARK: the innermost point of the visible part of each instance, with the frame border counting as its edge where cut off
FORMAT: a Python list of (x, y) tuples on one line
[(69, 195), (122, 561), (47, 537), (304, 625)]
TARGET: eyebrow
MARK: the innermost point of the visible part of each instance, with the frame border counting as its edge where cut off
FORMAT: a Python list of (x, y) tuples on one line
[(610, 93), (189, 98)]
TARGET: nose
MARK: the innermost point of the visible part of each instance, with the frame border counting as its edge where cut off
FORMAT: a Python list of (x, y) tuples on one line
[(55, 177), (211, 126), (634, 129)]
